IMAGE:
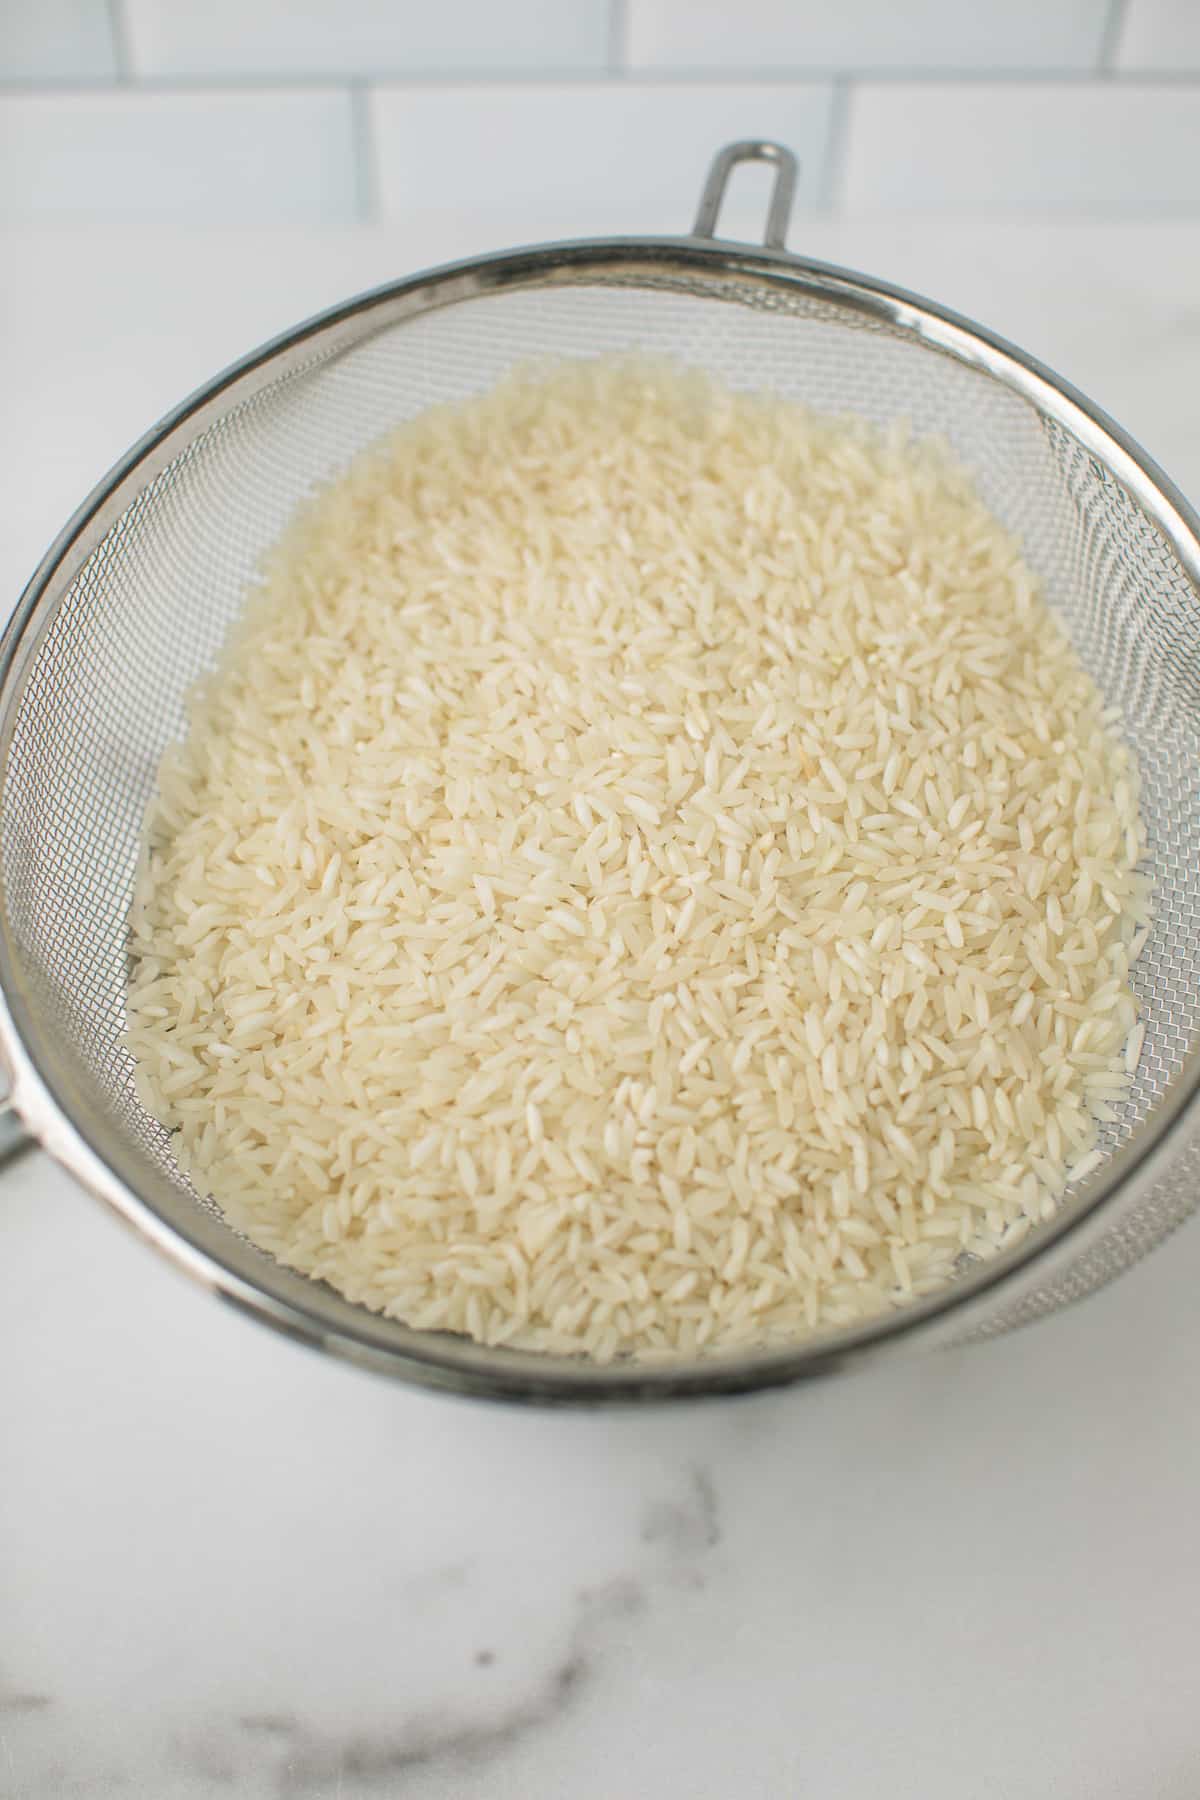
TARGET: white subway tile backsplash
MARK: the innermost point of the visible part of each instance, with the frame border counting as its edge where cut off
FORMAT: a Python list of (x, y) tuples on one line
[(1160, 34), (590, 158), (365, 37), (55, 40), (1109, 149), (571, 116), (233, 157), (865, 34)]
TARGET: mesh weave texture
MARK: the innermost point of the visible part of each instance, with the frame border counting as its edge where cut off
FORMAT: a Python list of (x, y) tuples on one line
[(148, 612)]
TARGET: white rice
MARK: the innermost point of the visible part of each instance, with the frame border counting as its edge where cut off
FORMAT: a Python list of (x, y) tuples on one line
[(649, 873)]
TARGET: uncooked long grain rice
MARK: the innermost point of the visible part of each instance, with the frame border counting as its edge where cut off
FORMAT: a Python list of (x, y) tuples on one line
[(648, 873)]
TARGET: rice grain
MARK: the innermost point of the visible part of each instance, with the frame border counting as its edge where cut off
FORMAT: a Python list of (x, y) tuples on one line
[(648, 874)]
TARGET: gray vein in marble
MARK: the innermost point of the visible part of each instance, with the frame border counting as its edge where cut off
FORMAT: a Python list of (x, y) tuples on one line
[(440, 1579), (25, 1703), (315, 1762), (689, 1527), (374, 1761), (684, 1530), (208, 1756), (276, 1750)]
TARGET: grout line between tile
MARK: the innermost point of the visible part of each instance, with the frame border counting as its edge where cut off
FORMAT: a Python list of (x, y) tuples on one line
[(337, 82), (118, 27), (363, 137), (90, 89), (835, 146), (1110, 37), (618, 37)]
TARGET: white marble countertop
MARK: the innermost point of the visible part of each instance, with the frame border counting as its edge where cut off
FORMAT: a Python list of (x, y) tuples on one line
[(229, 1567)]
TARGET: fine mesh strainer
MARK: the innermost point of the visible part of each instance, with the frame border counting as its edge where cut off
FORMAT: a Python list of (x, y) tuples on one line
[(133, 601)]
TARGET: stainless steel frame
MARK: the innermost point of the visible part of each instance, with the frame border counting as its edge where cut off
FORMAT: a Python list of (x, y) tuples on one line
[(79, 1134)]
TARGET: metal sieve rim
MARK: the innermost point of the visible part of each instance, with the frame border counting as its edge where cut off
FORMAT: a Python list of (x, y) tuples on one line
[(78, 1136)]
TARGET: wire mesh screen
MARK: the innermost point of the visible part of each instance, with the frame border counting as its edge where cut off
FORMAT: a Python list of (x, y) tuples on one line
[(148, 613)]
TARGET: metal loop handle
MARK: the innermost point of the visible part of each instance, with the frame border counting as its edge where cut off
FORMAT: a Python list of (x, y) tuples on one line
[(783, 193)]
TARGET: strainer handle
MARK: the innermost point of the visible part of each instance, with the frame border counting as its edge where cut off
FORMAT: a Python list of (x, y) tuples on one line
[(783, 193)]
